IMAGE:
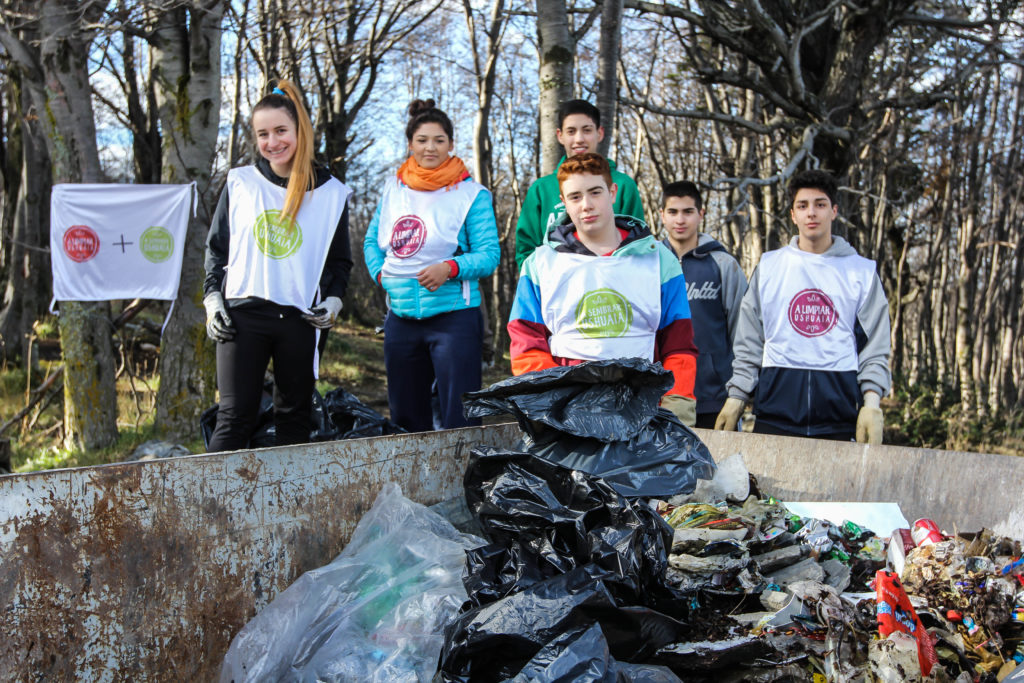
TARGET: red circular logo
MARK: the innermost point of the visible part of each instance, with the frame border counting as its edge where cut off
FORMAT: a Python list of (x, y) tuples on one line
[(408, 236), (812, 313), (81, 243)]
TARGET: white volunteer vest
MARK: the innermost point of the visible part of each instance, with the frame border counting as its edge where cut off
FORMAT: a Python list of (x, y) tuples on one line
[(277, 260), (600, 307), (809, 305), (418, 229)]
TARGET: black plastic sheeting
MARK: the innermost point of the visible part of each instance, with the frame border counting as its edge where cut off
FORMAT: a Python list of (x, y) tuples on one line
[(551, 519), (568, 552), (581, 654), (338, 415), (607, 400), (602, 417)]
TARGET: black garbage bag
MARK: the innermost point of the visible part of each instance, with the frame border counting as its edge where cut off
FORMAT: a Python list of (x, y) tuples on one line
[(338, 415), (602, 417), (665, 458), (323, 428), (353, 419), (581, 655), (495, 642), (552, 520), (608, 400), (499, 569)]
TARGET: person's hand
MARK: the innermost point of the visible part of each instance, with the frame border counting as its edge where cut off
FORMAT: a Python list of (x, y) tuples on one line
[(434, 276), (324, 314), (729, 415), (219, 327), (682, 407), (870, 420)]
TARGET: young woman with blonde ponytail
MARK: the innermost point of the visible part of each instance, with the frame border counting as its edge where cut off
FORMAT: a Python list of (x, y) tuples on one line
[(277, 265), (430, 241)]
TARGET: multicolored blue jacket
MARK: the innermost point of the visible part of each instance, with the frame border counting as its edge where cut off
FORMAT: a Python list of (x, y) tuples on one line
[(531, 333)]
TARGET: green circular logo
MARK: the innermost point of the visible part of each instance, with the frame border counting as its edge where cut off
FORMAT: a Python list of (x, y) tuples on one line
[(603, 313), (156, 244), (277, 237)]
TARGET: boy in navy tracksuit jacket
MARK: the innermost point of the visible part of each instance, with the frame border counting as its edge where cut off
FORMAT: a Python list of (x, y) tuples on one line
[(813, 334), (715, 284)]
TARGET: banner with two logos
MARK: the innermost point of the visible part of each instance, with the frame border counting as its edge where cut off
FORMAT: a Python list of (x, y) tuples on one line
[(110, 241)]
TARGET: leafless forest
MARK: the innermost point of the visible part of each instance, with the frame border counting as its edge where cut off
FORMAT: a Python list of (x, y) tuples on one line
[(916, 106)]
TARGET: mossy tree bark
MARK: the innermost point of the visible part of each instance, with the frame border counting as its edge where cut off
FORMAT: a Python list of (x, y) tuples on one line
[(186, 52), (62, 98), (557, 48)]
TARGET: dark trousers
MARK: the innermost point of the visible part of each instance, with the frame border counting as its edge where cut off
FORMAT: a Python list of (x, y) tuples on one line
[(241, 363), (706, 420), (445, 347), (763, 428)]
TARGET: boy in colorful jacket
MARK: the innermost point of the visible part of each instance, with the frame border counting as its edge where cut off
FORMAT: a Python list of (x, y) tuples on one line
[(715, 285), (602, 287), (813, 334), (579, 132)]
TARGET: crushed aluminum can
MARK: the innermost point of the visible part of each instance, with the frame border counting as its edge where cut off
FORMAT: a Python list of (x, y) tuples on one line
[(815, 534), (926, 532)]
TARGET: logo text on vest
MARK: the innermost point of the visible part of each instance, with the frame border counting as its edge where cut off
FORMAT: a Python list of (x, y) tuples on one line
[(603, 313), (276, 236), (408, 236), (812, 313)]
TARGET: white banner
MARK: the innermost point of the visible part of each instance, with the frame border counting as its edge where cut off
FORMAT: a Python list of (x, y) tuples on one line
[(118, 241)]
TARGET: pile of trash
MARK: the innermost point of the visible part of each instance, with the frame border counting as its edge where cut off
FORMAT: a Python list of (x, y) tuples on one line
[(613, 549), (782, 595)]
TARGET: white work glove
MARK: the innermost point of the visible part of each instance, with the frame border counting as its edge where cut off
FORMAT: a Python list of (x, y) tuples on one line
[(682, 407), (870, 420), (729, 415), (325, 313), (219, 327)]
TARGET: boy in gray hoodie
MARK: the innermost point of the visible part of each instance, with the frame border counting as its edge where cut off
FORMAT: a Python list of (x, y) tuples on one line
[(813, 334)]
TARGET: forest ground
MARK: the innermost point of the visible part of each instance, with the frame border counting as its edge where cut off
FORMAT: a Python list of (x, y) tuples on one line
[(914, 415)]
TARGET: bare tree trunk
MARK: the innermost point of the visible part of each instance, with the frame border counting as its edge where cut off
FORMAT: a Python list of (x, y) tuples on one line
[(234, 146), (607, 61), (29, 277), (557, 48), (187, 72), (90, 400), (485, 69)]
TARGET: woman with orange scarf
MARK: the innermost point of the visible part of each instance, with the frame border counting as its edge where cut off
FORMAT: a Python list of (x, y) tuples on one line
[(431, 239)]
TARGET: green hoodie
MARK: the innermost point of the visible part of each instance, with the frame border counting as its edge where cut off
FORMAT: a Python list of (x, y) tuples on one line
[(543, 208)]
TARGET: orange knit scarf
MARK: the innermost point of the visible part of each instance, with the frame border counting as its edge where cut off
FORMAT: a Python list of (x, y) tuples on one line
[(452, 171)]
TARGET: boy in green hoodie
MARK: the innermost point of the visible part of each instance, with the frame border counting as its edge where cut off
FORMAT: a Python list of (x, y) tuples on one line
[(579, 132)]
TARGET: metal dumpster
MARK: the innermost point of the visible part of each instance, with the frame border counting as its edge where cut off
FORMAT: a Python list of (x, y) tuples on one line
[(145, 571)]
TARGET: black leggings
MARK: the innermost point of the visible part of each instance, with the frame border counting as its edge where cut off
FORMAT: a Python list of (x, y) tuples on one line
[(241, 364)]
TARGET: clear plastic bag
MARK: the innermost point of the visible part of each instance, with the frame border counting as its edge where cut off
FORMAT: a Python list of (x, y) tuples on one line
[(375, 613)]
